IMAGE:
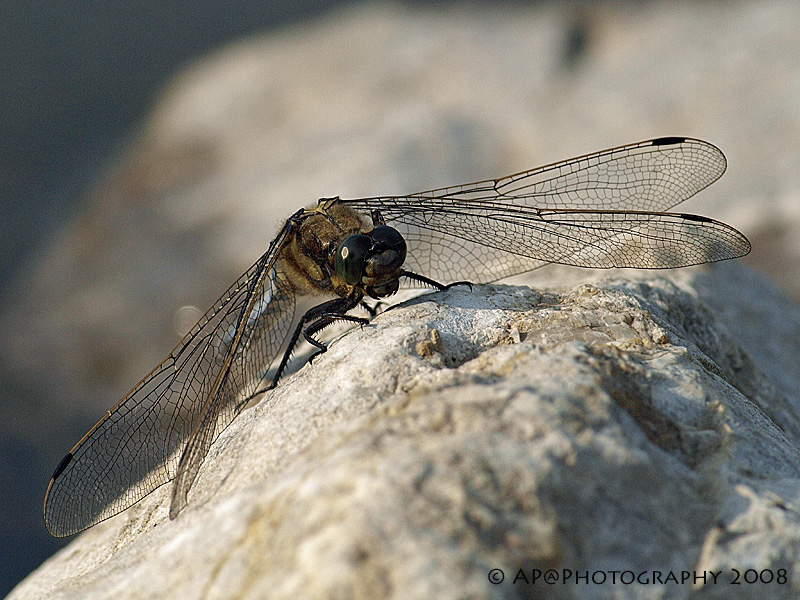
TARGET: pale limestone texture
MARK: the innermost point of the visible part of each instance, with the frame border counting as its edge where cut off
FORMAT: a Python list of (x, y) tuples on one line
[(620, 426)]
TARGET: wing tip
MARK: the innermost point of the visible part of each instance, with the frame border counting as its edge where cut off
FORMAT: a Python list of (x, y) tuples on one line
[(739, 244)]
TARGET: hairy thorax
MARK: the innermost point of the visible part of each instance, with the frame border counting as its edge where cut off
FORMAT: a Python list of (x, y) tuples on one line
[(307, 258)]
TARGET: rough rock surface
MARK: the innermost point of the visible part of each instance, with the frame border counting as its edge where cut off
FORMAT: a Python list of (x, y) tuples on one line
[(621, 428)]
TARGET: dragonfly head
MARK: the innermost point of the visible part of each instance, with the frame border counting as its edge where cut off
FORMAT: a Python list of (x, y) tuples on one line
[(372, 260)]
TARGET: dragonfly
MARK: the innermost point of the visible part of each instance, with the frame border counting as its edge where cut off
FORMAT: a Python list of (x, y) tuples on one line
[(601, 210)]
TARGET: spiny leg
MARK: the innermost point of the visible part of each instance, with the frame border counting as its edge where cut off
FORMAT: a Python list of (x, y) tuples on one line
[(327, 312), (377, 218), (433, 283), (321, 324), (429, 282)]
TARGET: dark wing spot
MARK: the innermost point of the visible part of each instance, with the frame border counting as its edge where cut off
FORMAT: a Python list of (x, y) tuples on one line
[(668, 141), (699, 218), (62, 465)]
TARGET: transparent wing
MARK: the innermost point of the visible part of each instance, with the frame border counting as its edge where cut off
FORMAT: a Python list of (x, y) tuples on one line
[(651, 176), (270, 315), (137, 445), (599, 210)]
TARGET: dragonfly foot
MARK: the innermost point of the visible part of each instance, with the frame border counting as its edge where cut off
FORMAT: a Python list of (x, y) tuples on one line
[(455, 283)]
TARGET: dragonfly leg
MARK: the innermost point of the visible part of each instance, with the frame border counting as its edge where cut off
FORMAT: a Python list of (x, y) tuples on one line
[(319, 317), (455, 283), (377, 218), (433, 283), (323, 322)]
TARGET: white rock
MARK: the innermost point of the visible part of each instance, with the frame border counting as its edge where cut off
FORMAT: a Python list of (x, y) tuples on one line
[(627, 430)]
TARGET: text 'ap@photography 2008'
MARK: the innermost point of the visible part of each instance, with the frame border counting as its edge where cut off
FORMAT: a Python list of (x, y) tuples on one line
[(539, 577)]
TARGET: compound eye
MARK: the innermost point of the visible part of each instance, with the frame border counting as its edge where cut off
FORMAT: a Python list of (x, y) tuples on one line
[(390, 238), (351, 255)]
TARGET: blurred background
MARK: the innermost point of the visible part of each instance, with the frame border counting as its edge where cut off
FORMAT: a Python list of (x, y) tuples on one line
[(149, 153)]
